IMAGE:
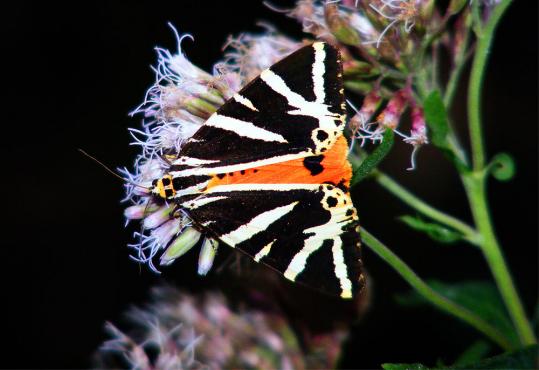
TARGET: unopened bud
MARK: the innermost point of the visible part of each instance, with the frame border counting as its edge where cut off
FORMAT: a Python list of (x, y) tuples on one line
[(339, 25), (362, 118), (200, 107), (165, 232), (181, 245), (419, 127), (139, 211), (207, 255), (390, 116), (134, 212), (158, 217)]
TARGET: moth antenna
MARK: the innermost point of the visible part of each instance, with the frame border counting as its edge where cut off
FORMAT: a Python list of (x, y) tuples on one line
[(111, 171)]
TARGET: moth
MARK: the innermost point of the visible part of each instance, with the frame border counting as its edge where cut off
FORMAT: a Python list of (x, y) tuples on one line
[(268, 174)]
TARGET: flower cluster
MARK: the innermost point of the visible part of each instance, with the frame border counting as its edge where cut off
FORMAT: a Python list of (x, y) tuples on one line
[(378, 41), (182, 331)]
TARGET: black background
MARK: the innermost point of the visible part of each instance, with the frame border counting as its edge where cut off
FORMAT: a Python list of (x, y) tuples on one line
[(75, 71)]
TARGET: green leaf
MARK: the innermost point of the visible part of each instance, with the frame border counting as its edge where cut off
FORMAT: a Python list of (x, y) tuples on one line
[(373, 159), (502, 167), (436, 119), (524, 358), (480, 297), (436, 231), (478, 350), (404, 367)]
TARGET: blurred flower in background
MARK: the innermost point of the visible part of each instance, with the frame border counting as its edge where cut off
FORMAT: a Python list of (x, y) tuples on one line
[(183, 331)]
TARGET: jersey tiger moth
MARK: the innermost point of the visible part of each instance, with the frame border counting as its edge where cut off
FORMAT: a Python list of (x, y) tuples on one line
[(268, 174)]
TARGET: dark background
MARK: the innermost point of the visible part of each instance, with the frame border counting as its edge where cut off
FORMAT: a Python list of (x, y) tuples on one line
[(75, 71)]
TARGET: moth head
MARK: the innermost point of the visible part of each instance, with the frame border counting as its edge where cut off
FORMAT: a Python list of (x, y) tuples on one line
[(163, 188)]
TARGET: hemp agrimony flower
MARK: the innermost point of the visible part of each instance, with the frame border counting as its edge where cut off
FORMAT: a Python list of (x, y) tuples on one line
[(182, 331)]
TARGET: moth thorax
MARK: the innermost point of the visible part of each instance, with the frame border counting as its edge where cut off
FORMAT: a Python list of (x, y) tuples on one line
[(163, 187)]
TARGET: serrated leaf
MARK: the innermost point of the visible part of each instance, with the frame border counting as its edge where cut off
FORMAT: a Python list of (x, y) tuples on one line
[(480, 297), (502, 167), (524, 358), (373, 159), (436, 119), (404, 367), (434, 230)]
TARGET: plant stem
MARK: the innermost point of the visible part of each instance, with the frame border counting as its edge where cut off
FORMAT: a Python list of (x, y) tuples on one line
[(460, 62), (475, 183), (475, 186), (429, 294), (419, 205), (476, 84)]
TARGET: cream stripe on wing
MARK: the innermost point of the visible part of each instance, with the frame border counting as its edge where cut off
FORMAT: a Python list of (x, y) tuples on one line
[(254, 187), (256, 225), (318, 71), (263, 252), (278, 85), (244, 101), (201, 201), (340, 268), (297, 265), (320, 111), (243, 128)]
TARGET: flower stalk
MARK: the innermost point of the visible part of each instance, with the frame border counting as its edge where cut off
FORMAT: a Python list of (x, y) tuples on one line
[(421, 206), (429, 294), (475, 183)]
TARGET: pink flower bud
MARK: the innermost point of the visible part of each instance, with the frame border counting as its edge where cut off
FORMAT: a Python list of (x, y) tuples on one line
[(361, 120), (390, 116), (418, 134), (158, 217), (419, 127), (166, 231), (135, 212), (370, 104)]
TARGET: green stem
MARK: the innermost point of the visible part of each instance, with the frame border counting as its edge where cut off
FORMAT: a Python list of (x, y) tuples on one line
[(475, 183), (419, 205), (429, 294), (454, 78), (476, 84), (475, 186)]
